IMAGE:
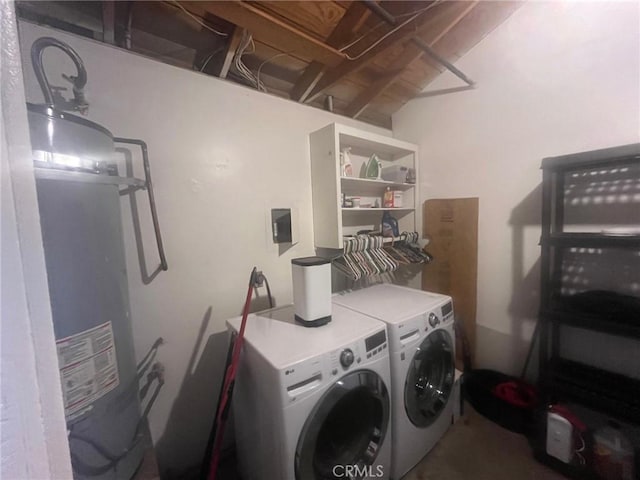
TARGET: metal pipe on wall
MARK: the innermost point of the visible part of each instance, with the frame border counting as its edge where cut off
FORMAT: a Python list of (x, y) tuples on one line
[(418, 42), (328, 103)]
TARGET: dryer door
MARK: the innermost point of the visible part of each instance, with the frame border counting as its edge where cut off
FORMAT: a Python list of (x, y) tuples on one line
[(430, 379), (346, 427)]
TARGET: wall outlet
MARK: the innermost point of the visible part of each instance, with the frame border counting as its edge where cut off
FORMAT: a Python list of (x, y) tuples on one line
[(559, 437)]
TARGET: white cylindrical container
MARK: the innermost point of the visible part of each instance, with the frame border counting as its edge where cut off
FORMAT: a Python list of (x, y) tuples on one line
[(311, 290)]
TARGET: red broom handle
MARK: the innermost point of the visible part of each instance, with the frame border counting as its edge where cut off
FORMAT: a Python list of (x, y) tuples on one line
[(229, 379)]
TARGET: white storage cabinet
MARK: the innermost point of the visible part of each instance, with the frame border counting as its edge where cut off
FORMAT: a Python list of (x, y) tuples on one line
[(332, 221)]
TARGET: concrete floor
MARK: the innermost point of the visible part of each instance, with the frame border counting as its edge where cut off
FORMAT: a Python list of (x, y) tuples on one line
[(473, 449), (477, 449)]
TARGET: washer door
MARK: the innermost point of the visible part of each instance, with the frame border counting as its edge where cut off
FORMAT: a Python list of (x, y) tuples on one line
[(429, 379), (346, 427)]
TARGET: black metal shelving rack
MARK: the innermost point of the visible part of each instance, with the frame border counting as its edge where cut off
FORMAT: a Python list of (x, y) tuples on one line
[(560, 379)]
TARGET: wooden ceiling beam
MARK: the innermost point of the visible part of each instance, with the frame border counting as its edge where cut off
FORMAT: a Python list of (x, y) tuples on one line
[(234, 43), (210, 60), (168, 22), (61, 16), (109, 22), (307, 81), (351, 21), (410, 54), (362, 101), (318, 18), (440, 14), (269, 29)]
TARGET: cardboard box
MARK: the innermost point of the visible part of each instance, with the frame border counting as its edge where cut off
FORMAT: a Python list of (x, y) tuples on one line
[(452, 227)]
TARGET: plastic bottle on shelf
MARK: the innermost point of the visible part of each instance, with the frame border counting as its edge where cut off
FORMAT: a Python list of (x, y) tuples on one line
[(346, 169), (387, 199), (389, 226), (613, 454)]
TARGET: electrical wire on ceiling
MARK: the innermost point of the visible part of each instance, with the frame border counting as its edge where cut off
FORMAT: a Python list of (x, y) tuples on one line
[(240, 67), (208, 59), (244, 71), (268, 60), (393, 30), (415, 14), (247, 40), (198, 19)]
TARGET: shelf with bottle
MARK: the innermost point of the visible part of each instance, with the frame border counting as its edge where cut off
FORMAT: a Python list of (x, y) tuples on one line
[(372, 184), (351, 170), (602, 445), (388, 199), (377, 209), (589, 326)]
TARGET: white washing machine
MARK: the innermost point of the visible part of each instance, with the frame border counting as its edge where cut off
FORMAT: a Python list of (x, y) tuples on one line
[(422, 353), (313, 403)]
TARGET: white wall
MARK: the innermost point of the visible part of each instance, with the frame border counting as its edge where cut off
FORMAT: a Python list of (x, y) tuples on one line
[(33, 433), (221, 155), (555, 78)]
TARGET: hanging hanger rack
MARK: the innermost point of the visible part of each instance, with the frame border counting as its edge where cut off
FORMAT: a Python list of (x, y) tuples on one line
[(367, 255)]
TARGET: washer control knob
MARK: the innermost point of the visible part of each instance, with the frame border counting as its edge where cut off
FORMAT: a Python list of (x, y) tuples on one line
[(433, 319), (346, 358)]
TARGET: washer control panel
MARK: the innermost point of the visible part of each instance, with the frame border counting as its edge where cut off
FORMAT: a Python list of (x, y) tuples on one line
[(346, 358), (351, 356), (376, 343)]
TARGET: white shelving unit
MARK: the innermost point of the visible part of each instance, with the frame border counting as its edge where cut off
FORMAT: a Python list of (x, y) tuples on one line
[(331, 221)]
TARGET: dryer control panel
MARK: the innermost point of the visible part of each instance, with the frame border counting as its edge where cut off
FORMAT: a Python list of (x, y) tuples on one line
[(447, 312), (406, 334), (301, 380)]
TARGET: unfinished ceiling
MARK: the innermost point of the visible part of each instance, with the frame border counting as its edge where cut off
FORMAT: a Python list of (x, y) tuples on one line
[(360, 59)]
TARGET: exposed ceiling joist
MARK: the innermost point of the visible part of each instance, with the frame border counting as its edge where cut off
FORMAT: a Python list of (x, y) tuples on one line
[(352, 20), (362, 101), (208, 60), (109, 22), (410, 54), (297, 44), (307, 81), (151, 17), (438, 14), (61, 16), (234, 42), (269, 29)]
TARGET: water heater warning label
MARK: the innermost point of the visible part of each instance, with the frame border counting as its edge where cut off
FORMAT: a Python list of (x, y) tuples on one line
[(88, 368)]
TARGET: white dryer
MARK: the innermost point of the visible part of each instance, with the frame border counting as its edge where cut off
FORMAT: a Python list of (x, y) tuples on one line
[(313, 403), (422, 344)]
